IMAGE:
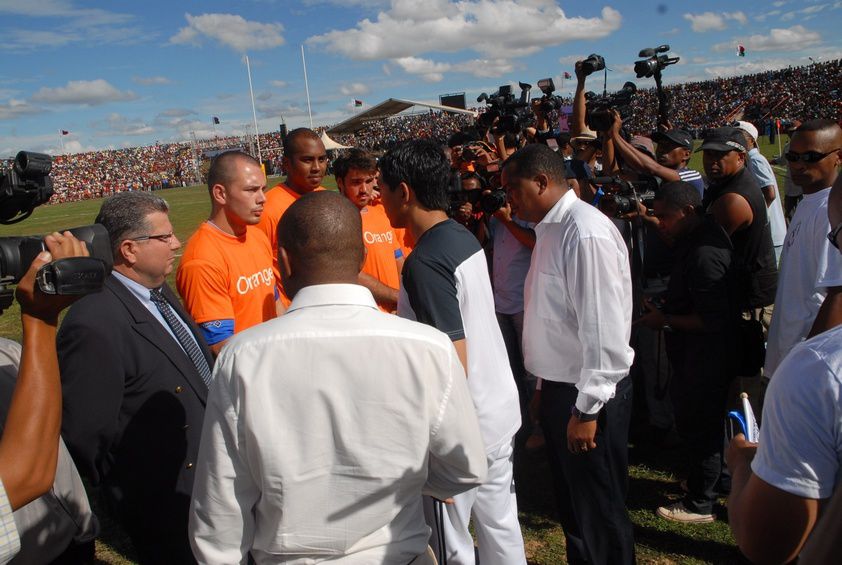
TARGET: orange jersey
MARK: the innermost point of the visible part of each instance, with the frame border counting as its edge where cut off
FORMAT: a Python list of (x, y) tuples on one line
[(223, 277), (383, 246), (406, 241), (277, 201)]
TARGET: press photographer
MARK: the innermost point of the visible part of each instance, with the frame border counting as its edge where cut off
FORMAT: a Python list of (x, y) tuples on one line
[(51, 273)]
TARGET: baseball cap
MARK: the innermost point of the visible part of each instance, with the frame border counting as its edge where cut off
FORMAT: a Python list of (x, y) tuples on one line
[(643, 144), (747, 127), (724, 139), (680, 137)]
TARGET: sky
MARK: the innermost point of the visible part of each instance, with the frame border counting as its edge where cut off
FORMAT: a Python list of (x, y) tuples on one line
[(121, 74)]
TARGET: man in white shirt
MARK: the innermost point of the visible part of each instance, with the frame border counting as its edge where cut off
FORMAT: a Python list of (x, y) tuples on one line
[(313, 448), (782, 484), (578, 308), (810, 279)]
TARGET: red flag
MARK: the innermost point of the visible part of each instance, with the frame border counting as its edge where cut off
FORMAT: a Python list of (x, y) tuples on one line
[(65, 132), (567, 75), (741, 51), (215, 120), (358, 103)]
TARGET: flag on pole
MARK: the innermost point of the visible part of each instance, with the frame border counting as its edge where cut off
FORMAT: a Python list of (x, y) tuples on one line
[(741, 50), (567, 75), (357, 103), (65, 132), (215, 121)]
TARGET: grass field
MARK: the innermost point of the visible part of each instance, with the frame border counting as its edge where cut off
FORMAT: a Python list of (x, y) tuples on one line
[(653, 473)]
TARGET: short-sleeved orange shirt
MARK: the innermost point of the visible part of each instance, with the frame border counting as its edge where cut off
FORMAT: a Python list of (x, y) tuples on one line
[(383, 245), (224, 277), (277, 201)]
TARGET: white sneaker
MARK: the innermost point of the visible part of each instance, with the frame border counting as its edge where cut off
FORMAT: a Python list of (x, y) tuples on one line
[(679, 513)]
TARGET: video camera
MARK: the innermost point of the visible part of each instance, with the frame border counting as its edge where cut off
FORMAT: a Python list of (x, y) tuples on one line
[(26, 186), (514, 113), (655, 62), (598, 115), (624, 196)]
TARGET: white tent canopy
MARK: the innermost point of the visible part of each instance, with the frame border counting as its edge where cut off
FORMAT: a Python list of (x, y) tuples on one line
[(387, 109), (331, 144)]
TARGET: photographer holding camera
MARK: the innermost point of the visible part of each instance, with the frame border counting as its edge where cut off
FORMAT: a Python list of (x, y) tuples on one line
[(30, 444), (698, 315)]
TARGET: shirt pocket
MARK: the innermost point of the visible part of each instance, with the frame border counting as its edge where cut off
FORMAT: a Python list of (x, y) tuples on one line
[(551, 301)]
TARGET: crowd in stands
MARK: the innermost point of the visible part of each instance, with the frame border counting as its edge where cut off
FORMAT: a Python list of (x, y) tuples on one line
[(695, 106)]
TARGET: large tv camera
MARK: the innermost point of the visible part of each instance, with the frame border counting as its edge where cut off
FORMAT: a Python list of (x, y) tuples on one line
[(624, 196), (656, 60), (514, 113), (598, 115), (22, 189)]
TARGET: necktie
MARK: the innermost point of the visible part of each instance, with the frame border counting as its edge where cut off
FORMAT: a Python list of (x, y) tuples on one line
[(187, 342)]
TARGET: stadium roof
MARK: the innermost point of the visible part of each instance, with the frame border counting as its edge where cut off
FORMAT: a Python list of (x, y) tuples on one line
[(387, 109)]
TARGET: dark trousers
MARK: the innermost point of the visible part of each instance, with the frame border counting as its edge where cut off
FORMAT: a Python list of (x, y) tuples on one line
[(591, 487)]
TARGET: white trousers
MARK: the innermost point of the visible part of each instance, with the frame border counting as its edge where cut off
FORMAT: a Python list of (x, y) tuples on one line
[(493, 506)]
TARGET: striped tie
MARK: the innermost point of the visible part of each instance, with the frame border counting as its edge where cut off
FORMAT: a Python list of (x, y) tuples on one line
[(187, 342)]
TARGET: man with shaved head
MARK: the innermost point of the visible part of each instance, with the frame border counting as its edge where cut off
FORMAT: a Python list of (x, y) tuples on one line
[(305, 163), (809, 295), (314, 449), (226, 276)]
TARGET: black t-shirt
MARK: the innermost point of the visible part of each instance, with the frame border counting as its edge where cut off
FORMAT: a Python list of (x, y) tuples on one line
[(756, 268)]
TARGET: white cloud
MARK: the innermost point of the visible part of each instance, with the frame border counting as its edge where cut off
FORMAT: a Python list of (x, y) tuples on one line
[(230, 30), (712, 21), (354, 89), (265, 95), (747, 68), (432, 71), (707, 21), (278, 83), (493, 28), (146, 81), (778, 3), (673, 31), (84, 92), (15, 108), (779, 39), (117, 124), (177, 112), (571, 59), (698, 60)]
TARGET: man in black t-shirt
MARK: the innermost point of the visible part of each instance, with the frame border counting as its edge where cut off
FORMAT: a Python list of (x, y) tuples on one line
[(445, 284), (698, 316), (735, 201)]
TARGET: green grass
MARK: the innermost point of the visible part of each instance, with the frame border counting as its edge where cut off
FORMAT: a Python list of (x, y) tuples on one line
[(653, 473)]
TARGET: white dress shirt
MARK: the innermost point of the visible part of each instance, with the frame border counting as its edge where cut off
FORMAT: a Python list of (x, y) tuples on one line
[(578, 303), (322, 430)]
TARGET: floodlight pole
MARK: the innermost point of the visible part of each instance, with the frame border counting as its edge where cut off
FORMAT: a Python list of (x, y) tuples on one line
[(306, 86), (254, 113)]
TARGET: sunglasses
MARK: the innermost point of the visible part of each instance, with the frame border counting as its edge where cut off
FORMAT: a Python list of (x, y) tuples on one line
[(834, 233), (807, 156)]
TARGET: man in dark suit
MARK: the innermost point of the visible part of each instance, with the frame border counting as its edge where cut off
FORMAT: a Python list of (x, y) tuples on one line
[(135, 373)]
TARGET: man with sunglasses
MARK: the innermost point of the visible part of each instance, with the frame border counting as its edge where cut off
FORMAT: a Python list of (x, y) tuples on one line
[(135, 371), (782, 486), (809, 296)]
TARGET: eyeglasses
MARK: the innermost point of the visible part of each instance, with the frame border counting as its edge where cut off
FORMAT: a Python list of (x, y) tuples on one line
[(834, 233), (163, 237), (807, 156)]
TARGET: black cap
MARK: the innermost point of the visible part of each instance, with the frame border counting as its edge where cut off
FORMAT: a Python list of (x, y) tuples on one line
[(677, 136), (724, 139)]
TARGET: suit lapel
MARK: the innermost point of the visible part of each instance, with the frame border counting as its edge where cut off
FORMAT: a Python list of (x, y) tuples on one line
[(145, 324)]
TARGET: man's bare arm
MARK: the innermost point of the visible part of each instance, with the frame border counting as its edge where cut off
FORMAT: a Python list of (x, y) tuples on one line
[(732, 212), (383, 294)]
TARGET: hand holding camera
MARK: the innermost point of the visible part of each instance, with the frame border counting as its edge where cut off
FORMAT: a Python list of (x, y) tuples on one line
[(34, 302)]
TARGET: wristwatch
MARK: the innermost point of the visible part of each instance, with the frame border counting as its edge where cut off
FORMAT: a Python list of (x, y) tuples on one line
[(666, 327), (582, 416)]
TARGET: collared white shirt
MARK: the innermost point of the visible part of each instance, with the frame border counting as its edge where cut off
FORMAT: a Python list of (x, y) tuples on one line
[(323, 428), (578, 303)]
